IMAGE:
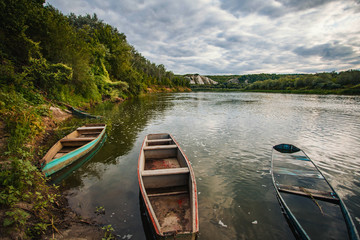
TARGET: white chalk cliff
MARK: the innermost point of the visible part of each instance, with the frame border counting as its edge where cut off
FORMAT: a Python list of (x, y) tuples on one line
[(201, 80)]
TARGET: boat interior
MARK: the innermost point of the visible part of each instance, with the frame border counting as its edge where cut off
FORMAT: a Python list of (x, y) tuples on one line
[(80, 137), (167, 182)]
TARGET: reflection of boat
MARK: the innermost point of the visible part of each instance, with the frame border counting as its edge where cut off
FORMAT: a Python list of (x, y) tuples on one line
[(168, 188), (311, 205), (82, 114), (72, 147)]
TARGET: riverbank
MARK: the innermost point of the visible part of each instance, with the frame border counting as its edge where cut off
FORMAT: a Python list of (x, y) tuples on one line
[(38, 216), (31, 208), (350, 91)]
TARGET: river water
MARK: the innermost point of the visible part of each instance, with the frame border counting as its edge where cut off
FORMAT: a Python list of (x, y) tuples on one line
[(228, 138)]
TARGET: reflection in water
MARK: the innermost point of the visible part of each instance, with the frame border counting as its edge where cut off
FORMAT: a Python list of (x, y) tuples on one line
[(228, 137)]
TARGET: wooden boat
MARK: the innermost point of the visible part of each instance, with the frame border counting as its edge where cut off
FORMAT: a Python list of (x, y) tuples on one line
[(72, 147), (168, 188), (82, 114), (312, 207)]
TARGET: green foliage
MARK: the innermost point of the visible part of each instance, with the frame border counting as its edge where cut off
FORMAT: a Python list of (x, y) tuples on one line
[(319, 81), (47, 77), (22, 183), (100, 210), (108, 232), (17, 217)]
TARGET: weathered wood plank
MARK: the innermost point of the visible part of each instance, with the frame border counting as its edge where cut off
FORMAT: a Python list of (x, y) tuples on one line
[(168, 171), (91, 128), (322, 195), (160, 147), (166, 194), (80, 139), (159, 140)]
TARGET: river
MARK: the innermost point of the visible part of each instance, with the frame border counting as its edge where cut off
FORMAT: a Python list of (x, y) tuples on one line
[(228, 138)]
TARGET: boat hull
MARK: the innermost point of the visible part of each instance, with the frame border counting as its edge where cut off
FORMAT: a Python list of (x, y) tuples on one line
[(54, 165), (168, 188), (311, 205)]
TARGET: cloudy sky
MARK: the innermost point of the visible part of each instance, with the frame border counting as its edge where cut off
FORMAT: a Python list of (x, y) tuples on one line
[(235, 36)]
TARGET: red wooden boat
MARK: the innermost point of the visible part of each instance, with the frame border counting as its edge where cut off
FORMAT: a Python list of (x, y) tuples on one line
[(168, 188)]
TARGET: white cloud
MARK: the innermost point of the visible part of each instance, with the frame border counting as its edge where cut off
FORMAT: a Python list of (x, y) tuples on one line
[(235, 37)]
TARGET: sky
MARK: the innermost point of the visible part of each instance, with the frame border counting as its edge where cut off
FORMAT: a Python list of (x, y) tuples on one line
[(217, 37)]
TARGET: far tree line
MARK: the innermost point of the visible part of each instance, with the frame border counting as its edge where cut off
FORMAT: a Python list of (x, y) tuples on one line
[(346, 80)]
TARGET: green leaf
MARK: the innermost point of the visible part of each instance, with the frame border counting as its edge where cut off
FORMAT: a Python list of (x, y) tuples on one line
[(7, 222)]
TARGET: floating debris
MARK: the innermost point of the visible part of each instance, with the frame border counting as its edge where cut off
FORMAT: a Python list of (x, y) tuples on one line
[(222, 224), (128, 236)]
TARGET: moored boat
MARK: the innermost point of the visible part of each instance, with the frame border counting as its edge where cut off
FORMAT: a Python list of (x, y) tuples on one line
[(72, 147), (168, 188), (82, 114), (313, 208)]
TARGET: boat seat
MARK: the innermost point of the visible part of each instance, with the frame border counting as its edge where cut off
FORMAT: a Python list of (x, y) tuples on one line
[(159, 147), (167, 171), (91, 128), (84, 139), (76, 142), (159, 140)]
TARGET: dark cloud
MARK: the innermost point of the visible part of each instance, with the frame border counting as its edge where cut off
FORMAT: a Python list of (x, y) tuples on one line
[(272, 9), (235, 36), (328, 51)]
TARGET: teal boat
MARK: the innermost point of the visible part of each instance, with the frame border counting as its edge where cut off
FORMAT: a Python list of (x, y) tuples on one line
[(72, 147), (310, 204), (82, 114)]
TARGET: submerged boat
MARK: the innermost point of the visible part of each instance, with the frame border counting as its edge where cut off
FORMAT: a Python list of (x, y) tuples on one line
[(72, 147), (168, 188), (82, 114), (312, 207)]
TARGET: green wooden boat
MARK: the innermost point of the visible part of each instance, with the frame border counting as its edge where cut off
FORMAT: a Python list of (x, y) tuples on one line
[(72, 147), (82, 114), (312, 207)]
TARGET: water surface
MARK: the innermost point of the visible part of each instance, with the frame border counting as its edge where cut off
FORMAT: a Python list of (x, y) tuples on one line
[(228, 138)]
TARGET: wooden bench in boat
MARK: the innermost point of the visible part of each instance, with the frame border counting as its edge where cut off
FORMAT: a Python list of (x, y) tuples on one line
[(321, 195), (162, 178), (159, 140), (91, 128), (167, 171), (160, 147), (76, 141), (167, 174)]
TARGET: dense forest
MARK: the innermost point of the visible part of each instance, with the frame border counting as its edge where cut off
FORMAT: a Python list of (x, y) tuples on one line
[(70, 57), (346, 82)]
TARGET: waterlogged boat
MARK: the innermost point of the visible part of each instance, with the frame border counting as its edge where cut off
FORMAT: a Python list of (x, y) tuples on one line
[(168, 188), (82, 114), (312, 207), (72, 147)]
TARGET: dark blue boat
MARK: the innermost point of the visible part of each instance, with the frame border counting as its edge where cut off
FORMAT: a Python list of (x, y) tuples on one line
[(311, 205), (82, 114)]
